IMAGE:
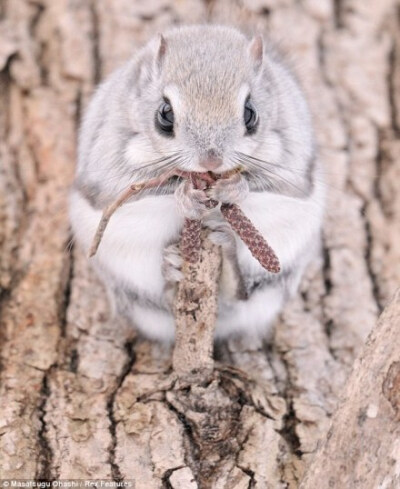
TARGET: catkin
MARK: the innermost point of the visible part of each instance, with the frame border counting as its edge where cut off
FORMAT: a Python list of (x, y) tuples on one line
[(191, 240), (255, 242), (259, 248)]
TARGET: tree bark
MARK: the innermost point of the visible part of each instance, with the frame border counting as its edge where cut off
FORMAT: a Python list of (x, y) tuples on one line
[(195, 312), (84, 397), (362, 448)]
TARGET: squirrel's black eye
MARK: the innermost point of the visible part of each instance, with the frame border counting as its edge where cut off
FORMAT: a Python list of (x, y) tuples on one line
[(250, 117), (165, 118)]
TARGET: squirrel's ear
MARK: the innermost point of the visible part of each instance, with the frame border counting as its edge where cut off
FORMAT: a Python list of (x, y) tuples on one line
[(256, 51), (162, 49)]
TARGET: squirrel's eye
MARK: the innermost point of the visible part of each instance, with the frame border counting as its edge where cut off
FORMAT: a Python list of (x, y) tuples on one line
[(250, 117), (165, 118)]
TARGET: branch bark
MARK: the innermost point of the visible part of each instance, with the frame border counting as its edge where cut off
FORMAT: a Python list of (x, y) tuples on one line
[(195, 310)]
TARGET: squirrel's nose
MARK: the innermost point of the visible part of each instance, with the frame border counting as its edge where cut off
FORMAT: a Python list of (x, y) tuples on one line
[(210, 161)]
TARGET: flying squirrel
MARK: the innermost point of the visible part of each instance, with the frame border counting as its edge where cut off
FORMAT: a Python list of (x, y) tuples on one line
[(199, 99)]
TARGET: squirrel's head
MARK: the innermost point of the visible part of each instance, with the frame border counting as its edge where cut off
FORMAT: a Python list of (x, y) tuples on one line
[(200, 93)]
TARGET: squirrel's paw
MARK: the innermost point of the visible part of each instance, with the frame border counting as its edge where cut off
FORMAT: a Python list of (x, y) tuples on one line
[(221, 234), (229, 190), (172, 263), (191, 201), (172, 273)]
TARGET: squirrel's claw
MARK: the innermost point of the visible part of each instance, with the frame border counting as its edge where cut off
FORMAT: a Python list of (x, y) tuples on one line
[(191, 202)]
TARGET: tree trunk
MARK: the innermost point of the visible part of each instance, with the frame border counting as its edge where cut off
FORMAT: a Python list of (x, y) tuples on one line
[(84, 397), (362, 448)]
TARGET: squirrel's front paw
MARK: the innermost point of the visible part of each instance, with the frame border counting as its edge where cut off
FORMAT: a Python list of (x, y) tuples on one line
[(221, 234), (172, 263), (191, 201), (229, 190), (172, 273)]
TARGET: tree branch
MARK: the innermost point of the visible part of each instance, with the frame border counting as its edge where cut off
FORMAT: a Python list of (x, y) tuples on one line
[(195, 311)]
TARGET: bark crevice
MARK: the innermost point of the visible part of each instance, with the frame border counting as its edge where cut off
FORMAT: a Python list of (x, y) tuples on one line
[(126, 369)]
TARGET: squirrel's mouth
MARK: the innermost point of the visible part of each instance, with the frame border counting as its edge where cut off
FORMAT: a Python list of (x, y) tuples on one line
[(230, 172), (212, 175), (174, 179), (169, 186)]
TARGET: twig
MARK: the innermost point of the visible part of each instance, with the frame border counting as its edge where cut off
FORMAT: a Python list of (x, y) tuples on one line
[(133, 189)]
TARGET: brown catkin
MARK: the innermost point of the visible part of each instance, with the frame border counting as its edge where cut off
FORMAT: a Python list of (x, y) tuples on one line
[(191, 240), (257, 245)]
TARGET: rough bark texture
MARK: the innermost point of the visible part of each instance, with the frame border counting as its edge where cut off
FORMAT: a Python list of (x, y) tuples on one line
[(195, 308), (82, 396), (363, 444)]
